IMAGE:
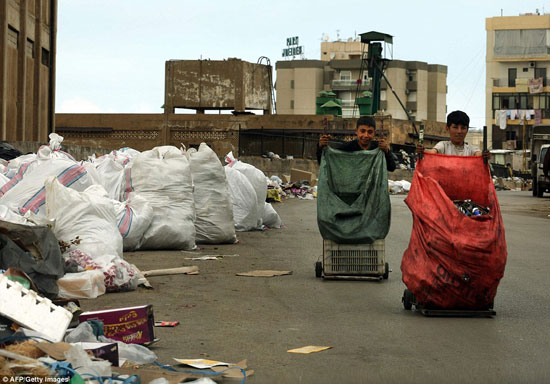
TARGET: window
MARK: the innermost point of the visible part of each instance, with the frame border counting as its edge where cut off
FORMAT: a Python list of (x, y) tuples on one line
[(291, 84), (29, 48), (512, 75), (291, 104), (345, 75), (525, 69), (541, 72), (45, 57), (13, 36)]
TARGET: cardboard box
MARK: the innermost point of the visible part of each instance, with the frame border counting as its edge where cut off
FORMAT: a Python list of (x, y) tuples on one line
[(299, 175), (132, 325), (105, 351)]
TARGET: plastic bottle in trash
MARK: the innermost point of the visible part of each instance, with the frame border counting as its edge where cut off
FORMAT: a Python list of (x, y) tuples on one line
[(476, 211)]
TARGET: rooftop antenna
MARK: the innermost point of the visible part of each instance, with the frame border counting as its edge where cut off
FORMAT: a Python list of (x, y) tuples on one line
[(338, 35), (501, 12)]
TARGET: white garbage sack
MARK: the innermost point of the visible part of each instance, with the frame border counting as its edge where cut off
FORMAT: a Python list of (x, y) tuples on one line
[(257, 179), (29, 192), (85, 225), (87, 284), (6, 214), (270, 217), (214, 211), (3, 180), (53, 150), (244, 200), (134, 217), (111, 175), (19, 165), (163, 177)]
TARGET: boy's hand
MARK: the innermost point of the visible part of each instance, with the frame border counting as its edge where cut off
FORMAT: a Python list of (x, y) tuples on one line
[(420, 149), (383, 145), (323, 141), (486, 155)]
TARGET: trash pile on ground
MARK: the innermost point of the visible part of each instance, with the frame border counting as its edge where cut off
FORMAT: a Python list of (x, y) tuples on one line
[(64, 225), (399, 187), (512, 184), (126, 200), (42, 341)]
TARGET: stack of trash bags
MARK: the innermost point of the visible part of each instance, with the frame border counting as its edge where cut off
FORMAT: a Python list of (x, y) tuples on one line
[(163, 198)]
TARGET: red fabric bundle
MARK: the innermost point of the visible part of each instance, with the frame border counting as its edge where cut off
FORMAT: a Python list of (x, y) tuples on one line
[(453, 261)]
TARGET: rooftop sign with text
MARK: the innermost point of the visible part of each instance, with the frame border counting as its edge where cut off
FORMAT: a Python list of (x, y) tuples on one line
[(292, 47)]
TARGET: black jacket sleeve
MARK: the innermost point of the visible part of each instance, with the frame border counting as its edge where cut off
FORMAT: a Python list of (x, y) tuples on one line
[(390, 161)]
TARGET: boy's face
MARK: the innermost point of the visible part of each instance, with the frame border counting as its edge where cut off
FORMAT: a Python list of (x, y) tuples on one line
[(457, 133), (365, 134)]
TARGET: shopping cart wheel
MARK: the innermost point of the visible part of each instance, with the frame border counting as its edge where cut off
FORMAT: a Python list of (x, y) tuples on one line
[(318, 269), (407, 299), (386, 271)]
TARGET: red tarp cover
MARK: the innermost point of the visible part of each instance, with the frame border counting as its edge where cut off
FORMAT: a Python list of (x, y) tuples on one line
[(453, 261)]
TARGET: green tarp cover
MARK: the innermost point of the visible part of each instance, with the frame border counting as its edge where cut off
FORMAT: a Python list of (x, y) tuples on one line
[(353, 202)]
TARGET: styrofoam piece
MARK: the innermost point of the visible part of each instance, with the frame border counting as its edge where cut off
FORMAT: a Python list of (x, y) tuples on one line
[(30, 310)]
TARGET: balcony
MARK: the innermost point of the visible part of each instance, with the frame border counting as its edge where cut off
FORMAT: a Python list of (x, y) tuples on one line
[(412, 85), (348, 103), (505, 83), (411, 106), (348, 85)]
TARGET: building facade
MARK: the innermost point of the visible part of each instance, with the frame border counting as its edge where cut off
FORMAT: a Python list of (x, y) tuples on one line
[(420, 86), (517, 85), (27, 69)]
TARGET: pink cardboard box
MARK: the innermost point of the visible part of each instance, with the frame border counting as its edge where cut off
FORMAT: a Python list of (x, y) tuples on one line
[(133, 325)]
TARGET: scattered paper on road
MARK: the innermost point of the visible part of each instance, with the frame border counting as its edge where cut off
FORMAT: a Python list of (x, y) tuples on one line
[(264, 273), (192, 270), (201, 363), (234, 371), (166, 323), (210, 257), (309, 349)]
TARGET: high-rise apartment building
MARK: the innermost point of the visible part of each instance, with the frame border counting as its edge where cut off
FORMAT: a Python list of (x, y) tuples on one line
[(420, 86), (27, 69), (517, 88)]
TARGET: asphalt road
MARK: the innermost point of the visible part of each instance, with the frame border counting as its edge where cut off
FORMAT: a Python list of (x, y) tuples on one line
[(374, 340)]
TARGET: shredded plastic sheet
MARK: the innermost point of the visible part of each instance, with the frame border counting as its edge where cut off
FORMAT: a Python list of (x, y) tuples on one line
[(353, 203), (453, 261)]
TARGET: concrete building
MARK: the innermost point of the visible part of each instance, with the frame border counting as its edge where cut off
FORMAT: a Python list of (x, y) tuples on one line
[(420, 86), (27, 69), (517, 88), (231, 84)]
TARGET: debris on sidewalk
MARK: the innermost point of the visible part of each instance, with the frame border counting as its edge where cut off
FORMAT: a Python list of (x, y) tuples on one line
[(32, 311), (227, 370), (192, 270), (132, 325), (308, 349), (201, 363), (210, 257), (166, 323), (264, 273)]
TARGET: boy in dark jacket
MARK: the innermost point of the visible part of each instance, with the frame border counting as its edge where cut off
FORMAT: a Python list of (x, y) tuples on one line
[(364, 129)]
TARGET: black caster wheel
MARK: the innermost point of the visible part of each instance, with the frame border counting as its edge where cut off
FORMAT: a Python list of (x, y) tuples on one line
[(386, 271), (407, 299), (318, 269)]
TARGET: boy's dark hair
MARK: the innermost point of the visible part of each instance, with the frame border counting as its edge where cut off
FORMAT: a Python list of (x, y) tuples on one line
[(458, 118), (365, 120)]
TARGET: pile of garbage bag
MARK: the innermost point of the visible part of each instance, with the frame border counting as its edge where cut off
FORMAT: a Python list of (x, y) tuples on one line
[(163, 198)]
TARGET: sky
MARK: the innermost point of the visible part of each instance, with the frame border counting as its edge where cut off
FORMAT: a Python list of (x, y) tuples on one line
[(111, 54)]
